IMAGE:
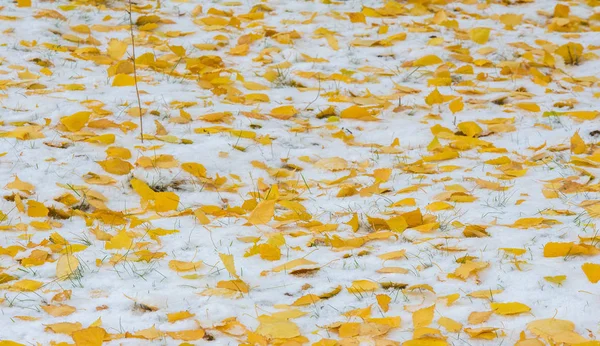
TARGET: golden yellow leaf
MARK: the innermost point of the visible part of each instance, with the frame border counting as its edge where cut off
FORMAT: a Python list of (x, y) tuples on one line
[(181, 266), (92, 336), (356, 17), (165, 201), (479, 35), (592, 271), (510, 308), (556, 279), (578, 146), (292, 264), (383, 300), (470, 128), (555, 330), (65, 266), (234, 285), (76, 121), (434, 97), (284, 112), (456, 105), (423, 317), (187, 335), (362, 286), (36, 209), (116, 166), (64, 327), (276, 328), (122, 79), (120, 241), (554, 249), (428, 60), (178, 316), (570, 52), (116, 49), (58, 310), (358, 113), (451, 325), (229, 264), (486, 333), (26, 285), (529, 106), (308, 299), (262, 213)]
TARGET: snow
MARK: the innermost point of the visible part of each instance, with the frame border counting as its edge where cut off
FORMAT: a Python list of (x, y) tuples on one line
[(106, 291)]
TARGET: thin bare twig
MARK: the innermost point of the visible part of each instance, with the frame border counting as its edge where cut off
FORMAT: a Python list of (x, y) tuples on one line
[(137, 90)]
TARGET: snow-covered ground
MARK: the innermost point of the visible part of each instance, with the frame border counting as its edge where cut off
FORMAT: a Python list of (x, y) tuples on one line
[(312, 172)]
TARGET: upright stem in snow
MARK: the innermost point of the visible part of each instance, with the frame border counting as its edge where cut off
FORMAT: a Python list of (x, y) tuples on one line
[(137, 91)]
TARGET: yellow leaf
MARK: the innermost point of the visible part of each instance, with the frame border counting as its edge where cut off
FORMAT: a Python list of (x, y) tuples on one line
[(178, 316), (36, 209), (428, 60), (529, 106), (456, 105), (292, 264), (181, 266), (486, 333), (195, 169), (353, 222), (229, 264), (451, 325), (362, 286), (578, 146), (556, 279), (434, 97), (142, 189), (554, 249), (510, 308), (92, 336), (570, 52), (358, 113), (393, 255), (479, 35), (423, 317), (187, 335), (65, 266), (234, 285), (178, 50), (284, 112), (470, 128), (76, 121), (308, 299), (63, 327), (332, 163), (20, 185), (383, 300), (9, 342), (277, 329), (262, 213), (116, 49), (557, 331), (23, 3), (116, 166), (397, 223), (356, 17), (592, 271), (149, 334), (119, 241), (26, 285), (122, 79), (58, 310), (165, 201)]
